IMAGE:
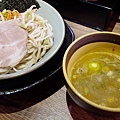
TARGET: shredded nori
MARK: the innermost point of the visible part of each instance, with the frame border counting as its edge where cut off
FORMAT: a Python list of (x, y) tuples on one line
[(20, 5)]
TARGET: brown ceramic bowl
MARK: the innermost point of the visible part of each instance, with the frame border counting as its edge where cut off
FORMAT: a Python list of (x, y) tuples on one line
[(79, 47)]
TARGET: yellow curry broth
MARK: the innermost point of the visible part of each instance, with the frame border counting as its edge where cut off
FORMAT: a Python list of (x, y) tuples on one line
[(96, 75)]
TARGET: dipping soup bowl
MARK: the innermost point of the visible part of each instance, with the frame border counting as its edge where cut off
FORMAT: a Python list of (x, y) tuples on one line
[(78, 48)]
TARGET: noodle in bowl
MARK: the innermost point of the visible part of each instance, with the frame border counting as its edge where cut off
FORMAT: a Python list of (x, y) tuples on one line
[(46, 32)]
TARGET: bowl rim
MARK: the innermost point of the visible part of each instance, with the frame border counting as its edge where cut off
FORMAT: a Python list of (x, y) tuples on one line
[(70, 84), (37, 65)]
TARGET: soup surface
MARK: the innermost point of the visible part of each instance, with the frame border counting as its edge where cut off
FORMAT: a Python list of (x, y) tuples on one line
[(96, 75)]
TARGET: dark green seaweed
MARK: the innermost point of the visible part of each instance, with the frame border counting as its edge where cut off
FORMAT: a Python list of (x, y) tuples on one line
[(20, 5)]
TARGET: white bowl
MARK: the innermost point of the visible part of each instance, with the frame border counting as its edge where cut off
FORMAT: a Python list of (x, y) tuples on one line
[(54, 18)]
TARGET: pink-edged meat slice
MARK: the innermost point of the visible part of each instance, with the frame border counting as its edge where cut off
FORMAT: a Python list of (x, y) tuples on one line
[(13, 40)]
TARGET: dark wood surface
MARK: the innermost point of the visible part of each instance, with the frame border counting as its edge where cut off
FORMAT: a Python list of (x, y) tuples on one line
[(79, 113), (49, 101)]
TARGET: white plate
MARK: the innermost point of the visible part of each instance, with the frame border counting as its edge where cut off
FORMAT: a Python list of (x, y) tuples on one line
[(56, 21)]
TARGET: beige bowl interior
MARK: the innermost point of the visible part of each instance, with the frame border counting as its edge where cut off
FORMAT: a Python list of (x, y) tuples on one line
[(89, 48), (78, 49)]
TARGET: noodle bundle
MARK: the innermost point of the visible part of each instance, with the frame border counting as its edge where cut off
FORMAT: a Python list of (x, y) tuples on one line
[(40, 37)]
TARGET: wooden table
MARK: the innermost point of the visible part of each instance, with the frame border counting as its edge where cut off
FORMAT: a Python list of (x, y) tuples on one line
[(46, 102)]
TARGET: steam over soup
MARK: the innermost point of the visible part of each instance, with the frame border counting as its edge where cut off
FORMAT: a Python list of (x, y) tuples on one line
[(96, 75)]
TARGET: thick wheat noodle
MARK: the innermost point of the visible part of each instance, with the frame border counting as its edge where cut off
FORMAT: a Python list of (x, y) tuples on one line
[(38, 31)]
